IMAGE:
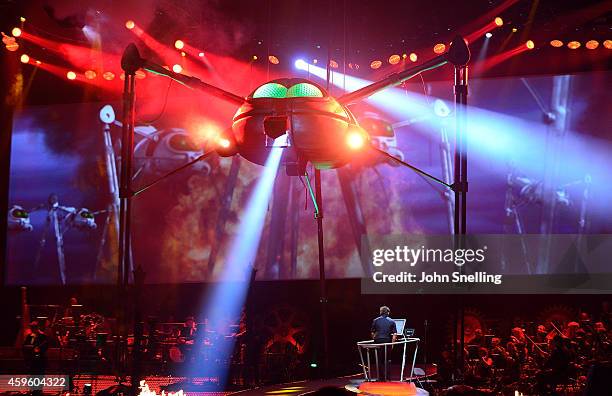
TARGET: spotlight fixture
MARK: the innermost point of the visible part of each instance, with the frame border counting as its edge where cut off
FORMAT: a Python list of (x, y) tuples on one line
[(592, 44), (333, 64), (71, 75), (404, 55), (177, 68), (608, 44), (530, 44), (375, 64), (573, 45), (130, 24), (498, 21), (108, 75), (439, 48), (201, 54), (16, 32), (315, 61), (90, 74), (514, 30), (556, 43), (24, 58), (301, 64), (183, 54), (273, 59), (413, 57), (488, 34), (22, 19), (254, 57), (355, 140), (394, 59), (179, 44)]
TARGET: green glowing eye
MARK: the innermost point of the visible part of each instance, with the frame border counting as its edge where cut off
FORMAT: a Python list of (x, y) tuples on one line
[(270, 90), (304, 90)]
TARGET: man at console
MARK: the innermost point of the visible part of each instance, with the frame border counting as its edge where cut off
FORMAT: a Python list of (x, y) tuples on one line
[(383, 331)]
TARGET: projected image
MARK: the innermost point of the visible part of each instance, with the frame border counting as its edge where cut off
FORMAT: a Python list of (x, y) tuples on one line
[(192, 226)]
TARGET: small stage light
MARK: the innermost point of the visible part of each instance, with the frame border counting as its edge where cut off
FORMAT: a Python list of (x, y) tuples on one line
[(22, 19), (108, 75), (573, 45), (608, 44), (16, 32), (201, 54), (24, 58), (12, 46), (355, 140), (315, 61), (254, 57), (413, 57), (556, 43), (183, 54), (71, 75), (394, 59), (592, 44), (530, 44), (140, 74), (301, 64), (498, 21), (488, 34), (404, 55), (333, 64), (179, 44), (375, 64), (224, 142), (514, 30), (90, 74), (439, 48), (38, 62), (177, 68), (273, 59), (130, 24)]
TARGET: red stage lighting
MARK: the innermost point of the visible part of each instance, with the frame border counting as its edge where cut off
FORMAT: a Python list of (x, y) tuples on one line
[(498, 21), (201, 54), (71, 75), (108, 75), (16, 32), (439, 48), (413, 57), (394, 59), (130, 24), (24, 58), (530, 44), (177, 68), (556, 43), (608, 44), (333, 64), (356, 139), (90, 74), (273, 59), (315, 61), (375, 64), (254, 57), (592, 44), (573, 45), (179, 44)]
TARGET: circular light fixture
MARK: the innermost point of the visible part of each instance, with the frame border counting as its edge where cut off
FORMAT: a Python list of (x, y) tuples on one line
[(488, 34), (179, 44), (90, 74), (16, 32), (108, 75), (333, 64), (608, 44), (375, 64), (556, 43), (413, 57), (22, 19), (573, 45), (315, 61), (201, 54), (177, 68), (273, 59), (514, 30), (498, 21), (439, 48), (592, 44), (130, 24), (394, 59), (254, 57), (71, 75), (530, 44), (24, 58), (140, 74), (355, 140)]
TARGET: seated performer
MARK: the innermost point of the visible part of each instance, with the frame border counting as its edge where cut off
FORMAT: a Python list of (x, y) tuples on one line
[(383, 331)]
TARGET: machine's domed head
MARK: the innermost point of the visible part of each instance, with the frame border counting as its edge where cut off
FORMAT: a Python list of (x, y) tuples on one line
[(301, 116)]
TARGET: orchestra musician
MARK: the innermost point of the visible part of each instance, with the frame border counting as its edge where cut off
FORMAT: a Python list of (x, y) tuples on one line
[(384, 330), (35, 349)]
